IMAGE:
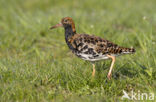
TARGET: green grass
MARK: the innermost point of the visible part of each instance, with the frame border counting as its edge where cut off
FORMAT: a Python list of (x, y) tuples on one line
[(36, 64)]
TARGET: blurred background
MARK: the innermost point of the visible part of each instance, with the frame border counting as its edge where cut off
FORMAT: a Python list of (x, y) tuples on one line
[(36, 64)]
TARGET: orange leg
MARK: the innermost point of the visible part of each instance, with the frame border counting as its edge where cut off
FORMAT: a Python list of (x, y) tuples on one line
[(110, 70), (93, 73)]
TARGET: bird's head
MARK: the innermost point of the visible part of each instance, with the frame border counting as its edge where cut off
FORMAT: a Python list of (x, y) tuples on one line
[(65, 22)]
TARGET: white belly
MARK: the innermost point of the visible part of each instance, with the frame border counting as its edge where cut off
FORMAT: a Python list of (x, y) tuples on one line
[(90, 57)]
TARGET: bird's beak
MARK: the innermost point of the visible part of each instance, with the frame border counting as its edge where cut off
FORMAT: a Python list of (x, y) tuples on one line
[(56, 26)]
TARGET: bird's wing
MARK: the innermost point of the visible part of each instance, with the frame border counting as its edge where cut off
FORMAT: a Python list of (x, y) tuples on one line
[(93, 44)]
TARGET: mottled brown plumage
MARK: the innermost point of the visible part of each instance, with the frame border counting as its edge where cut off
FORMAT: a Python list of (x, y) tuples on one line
[(97, 46), (90, 47)]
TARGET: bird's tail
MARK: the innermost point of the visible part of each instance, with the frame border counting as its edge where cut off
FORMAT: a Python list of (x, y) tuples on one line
[(127, 50)]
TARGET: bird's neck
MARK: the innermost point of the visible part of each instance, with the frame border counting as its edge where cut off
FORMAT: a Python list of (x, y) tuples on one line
[(69, 32)]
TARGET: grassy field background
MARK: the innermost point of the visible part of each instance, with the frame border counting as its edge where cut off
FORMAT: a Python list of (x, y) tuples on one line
[(36, 64)]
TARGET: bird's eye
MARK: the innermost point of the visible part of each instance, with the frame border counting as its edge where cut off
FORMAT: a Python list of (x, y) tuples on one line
[(65, 20)]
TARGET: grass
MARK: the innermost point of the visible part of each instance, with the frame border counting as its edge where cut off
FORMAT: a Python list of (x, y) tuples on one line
[(36, 64)]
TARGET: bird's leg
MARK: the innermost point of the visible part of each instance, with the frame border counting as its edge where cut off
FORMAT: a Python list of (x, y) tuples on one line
[(93, 73), (110, 70)]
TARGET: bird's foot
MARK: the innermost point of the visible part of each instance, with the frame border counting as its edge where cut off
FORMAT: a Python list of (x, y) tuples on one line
[(93, 74), (109, 76)]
